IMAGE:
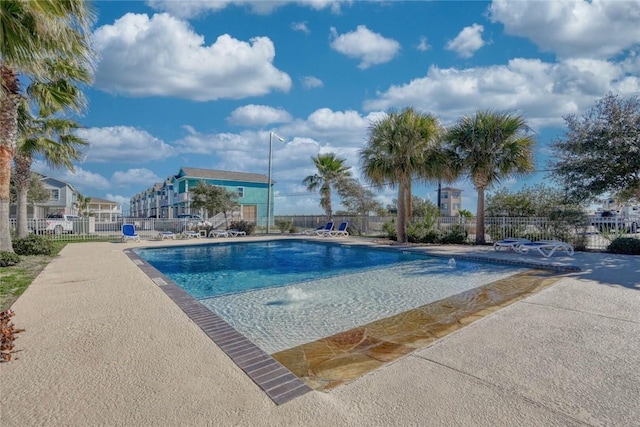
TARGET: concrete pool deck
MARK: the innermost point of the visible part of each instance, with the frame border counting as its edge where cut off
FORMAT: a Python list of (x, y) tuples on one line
[(104, 345)]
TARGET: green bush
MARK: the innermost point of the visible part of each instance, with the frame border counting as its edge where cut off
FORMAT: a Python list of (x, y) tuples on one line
[(625, 245), (390, 228), (33, 245), (7, 259), (283, 225), (456, 235), (246, 226)]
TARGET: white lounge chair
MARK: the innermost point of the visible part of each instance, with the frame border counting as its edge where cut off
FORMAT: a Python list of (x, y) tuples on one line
[(129, 233), (313, 231), (510, 243), (166, 235), (236, 233), (218, 233), (546, 248), (190, 234)]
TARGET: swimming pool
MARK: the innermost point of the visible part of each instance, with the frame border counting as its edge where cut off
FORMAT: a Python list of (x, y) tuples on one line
[(281, 294)]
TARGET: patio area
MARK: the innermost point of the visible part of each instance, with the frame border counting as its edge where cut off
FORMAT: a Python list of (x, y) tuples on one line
[(104, 345)]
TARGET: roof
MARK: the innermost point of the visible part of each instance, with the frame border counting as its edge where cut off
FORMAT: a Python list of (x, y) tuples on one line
[(449, 189), (223, 175), (99, 200)]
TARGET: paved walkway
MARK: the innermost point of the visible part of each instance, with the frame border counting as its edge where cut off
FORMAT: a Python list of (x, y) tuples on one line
[(105, 346)]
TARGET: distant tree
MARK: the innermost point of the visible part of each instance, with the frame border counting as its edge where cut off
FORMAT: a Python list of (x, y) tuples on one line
[(83, 204), (465, 213), (600, 152), (357, 199), (213, 199), (423, 207), (491, 146), (330, 171), (535, 201)]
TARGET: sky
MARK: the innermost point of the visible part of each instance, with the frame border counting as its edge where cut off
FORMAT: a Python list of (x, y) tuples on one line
[(203, 83)]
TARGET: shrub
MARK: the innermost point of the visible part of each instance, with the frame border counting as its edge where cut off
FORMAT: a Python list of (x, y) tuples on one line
[(8, 259), (33, 245), (456, 235), (283, 225), (246, 226), (390, 228), (625, 245)]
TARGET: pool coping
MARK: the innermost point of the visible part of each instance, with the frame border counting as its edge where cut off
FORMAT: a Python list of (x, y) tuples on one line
[(276, 380)]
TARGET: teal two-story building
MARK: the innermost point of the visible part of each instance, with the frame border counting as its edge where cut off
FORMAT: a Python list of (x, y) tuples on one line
[(173, 197)]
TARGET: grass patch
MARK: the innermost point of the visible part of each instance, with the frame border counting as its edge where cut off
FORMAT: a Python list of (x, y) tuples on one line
[(16, 279)]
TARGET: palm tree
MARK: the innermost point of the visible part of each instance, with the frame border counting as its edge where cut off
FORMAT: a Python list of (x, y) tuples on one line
[(491, 146), (46, 43), (402, 146), (51, 137), (331, 170), (83, 203)]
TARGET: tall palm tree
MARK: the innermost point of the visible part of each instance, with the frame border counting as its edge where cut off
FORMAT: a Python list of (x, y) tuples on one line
[(331, 170), (47, 43), (402, 146), (48, 136), (491, 146)]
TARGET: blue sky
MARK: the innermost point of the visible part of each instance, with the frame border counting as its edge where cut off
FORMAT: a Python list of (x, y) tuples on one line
[(201, 84)]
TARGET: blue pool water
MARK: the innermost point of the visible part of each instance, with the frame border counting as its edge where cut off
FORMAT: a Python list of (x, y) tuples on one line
[(226, 268), (285, 293)]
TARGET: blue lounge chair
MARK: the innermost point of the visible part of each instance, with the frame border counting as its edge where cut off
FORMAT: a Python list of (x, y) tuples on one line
[(129, 233), (341, 231), (325, 231)]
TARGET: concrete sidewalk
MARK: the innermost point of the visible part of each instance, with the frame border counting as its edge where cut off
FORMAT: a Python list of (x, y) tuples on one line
[(105, 346)]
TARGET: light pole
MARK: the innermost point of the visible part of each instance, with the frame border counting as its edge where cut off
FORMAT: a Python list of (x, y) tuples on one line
[(271, 135)]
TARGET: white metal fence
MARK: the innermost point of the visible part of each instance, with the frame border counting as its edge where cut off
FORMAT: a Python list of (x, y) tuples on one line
[(581, 235)]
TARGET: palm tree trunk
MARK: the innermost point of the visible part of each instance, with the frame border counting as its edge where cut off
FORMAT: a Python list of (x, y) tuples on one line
[(408, 198), (401, 223), (8, 137), (22, 180), (480, 217)]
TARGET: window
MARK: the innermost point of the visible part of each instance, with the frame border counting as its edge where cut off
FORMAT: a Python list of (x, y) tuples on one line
[(456, 194), (445, 206), (54, 195), (456, 206), (240, 192), (445, 196)]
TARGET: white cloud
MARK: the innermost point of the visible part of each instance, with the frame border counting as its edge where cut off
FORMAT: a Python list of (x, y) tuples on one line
[(543, 91), (334, 128), (572, 28), (423, 46), (468, 41), (363, 44), (139, 177), (122, 200), (300, 26), (123, 144), (162, 56), (258, 115), (190, 9), (311, 82)]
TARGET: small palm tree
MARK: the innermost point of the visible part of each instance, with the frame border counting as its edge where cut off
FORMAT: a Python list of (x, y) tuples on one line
[(331, 170), (402, 146), (47, 44), (83, 204), (51, 137), (491, 146)]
